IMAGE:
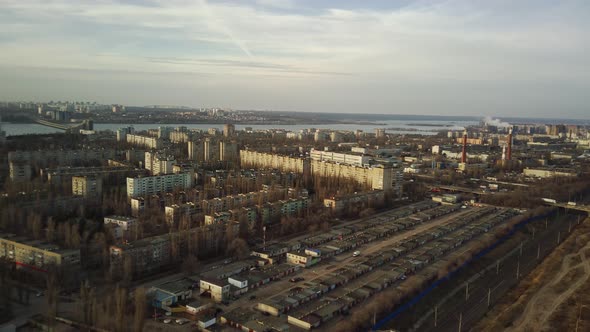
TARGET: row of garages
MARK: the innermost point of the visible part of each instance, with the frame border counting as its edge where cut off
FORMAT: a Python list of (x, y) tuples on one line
[(364, 232), (381, 227), (367, 223), (367, 264), (308, 296), (389, 267)]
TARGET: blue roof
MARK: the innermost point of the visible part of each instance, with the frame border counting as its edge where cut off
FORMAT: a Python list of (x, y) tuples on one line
[(161, 296)]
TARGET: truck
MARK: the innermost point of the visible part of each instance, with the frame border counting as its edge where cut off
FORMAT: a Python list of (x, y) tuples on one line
[(572, 203), (549, 200)]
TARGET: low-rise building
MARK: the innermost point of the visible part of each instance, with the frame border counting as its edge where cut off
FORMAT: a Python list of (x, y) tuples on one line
[(36, 255), (217, 218), (549, 172), (339, 203), (302, 259), (196, 306), (218, 290), (170, 293), (146, 255), (124, 222), (238, 281)]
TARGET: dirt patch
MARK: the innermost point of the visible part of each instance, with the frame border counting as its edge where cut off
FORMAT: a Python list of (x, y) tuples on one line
[(550, 297)]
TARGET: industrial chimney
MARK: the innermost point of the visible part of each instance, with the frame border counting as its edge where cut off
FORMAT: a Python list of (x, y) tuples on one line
[(464, 153), (509, 149)]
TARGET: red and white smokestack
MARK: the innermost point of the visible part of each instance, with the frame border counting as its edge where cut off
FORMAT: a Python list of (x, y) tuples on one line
[(509, 149), (464, 153)]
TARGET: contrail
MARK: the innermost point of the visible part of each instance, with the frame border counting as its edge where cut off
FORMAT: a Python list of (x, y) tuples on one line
[(225, 30)]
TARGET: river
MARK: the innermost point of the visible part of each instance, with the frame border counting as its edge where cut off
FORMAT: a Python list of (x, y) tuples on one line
[(425, 127)]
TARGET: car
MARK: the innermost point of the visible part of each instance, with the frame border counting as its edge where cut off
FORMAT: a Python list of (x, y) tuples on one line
[(168, 313), (39, 294), (167, 321), (296, 279), (252, 297), (182, 321), (356, 253)]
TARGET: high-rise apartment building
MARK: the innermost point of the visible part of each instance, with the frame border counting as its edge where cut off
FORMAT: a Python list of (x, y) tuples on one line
[(229, 130), (210, 149), (228, 151), (144, 141), (158, 163), (195, 150)]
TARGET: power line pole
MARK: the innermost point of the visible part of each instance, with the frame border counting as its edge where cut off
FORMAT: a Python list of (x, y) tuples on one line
[(498, 266), (558, 235), (435, 315), (539, 251), (517, 269), (460, 320), (489, 296), (467, 291)]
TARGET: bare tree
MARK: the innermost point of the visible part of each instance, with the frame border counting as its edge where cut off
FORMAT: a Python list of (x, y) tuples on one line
[(120, 308), (190, 264), (238, 248), (140, 309)]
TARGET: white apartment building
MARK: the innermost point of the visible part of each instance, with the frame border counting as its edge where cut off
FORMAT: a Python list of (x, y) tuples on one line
[(144, 141), (150, 185), (158, 163), (341, 158), (123, 132)]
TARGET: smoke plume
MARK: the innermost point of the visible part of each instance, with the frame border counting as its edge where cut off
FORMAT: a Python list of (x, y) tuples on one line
[(496, 122)]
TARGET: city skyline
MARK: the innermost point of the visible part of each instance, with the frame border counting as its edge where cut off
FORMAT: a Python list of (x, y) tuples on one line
[(403, 57)]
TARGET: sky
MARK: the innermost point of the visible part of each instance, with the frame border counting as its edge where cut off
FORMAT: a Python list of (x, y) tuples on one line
[(456, 57)]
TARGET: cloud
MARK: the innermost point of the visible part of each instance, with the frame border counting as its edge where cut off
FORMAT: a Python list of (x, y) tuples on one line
[(281, 4), (461, 54)]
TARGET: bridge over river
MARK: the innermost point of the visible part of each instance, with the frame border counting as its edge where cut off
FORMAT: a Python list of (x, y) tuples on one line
[(73, 127)]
